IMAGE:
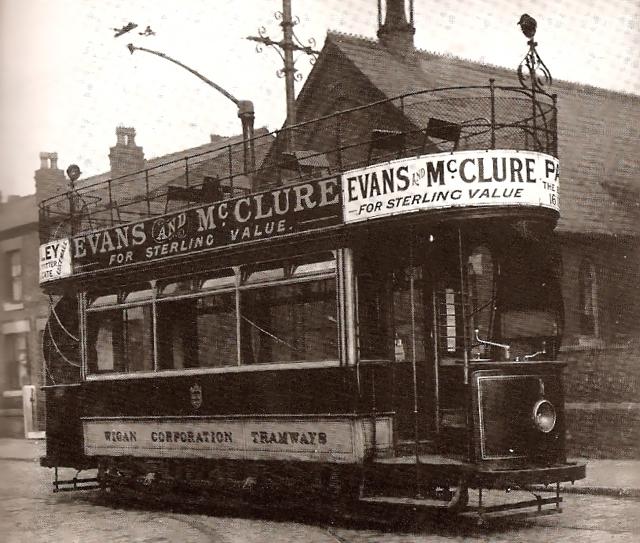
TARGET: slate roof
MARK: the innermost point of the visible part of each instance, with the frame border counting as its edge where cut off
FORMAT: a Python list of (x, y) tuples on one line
[(598, 129), (165, 166), (19, 211)]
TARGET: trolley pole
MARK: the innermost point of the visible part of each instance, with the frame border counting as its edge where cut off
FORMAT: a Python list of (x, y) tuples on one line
[(246, 112)]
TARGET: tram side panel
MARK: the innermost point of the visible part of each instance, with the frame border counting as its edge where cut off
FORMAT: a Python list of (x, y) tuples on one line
[(308, 391)]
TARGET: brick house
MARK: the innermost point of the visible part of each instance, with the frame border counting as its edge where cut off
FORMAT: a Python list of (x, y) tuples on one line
[(23, 309)]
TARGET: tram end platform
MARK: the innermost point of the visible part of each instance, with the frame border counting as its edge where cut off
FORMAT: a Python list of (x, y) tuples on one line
[(619, 478)]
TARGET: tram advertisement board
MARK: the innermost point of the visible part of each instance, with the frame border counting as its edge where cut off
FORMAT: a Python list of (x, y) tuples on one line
[(55, 260), (462, 179), (265, 215)]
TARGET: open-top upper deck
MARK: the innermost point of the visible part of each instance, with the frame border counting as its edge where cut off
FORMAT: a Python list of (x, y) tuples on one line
[(448, 148)]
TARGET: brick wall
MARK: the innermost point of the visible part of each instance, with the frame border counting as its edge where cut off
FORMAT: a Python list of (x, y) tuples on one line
[(602, 380)]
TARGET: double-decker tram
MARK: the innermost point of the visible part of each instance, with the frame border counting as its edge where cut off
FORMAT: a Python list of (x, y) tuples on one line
[(378, 325)]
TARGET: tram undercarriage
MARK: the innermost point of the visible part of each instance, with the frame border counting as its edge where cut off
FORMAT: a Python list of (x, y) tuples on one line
[(383, 488)]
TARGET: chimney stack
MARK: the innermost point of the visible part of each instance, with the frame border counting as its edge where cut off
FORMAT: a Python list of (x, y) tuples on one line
[(396, 34), (50, 180), (125, 157)]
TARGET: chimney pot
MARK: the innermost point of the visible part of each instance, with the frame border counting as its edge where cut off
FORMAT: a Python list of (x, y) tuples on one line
[(396, 34), (126, 157)]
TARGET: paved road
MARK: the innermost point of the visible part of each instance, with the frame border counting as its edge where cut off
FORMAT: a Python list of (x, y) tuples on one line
[(29, 512)]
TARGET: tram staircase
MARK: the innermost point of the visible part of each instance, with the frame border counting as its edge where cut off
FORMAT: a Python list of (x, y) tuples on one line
[(61, 349), (61, 343)]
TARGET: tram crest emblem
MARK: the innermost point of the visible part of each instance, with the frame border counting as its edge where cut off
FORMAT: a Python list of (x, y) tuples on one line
[(164, 229), (196, 396)]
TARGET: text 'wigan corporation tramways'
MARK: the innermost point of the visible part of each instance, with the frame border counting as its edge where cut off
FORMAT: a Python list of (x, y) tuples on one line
[(447, 180)]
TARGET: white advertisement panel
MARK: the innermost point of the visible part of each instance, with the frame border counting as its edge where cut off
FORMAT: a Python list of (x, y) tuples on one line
[(462, 179), (55, 260), (325, 439)]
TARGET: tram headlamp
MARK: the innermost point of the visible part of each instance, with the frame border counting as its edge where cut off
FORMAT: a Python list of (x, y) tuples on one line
[(544, 416)]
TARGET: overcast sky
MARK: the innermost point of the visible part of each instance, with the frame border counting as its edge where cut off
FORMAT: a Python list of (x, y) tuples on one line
[(66, 82)]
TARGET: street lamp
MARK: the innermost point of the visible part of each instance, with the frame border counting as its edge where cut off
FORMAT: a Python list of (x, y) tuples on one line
[(246, 111)]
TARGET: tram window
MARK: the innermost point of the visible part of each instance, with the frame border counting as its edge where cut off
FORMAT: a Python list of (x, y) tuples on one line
[(138, 295), (263, 273), (522, 324), (174, 288), (374, 310), (176, 333), (449, 317), (138, 338), (120, 340), (390, 320), (529, 298), (105, 345), (197, 332), (481, 293), (218, 280), (314, 264), (408, 321), (290, 322), (216, 328), (105, 301)]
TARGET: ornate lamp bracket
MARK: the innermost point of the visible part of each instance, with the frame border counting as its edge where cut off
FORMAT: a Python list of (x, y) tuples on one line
[(532, 71), (290, 43)]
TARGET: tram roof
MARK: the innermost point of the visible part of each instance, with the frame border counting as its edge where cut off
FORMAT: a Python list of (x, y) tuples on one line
[(598, 129)]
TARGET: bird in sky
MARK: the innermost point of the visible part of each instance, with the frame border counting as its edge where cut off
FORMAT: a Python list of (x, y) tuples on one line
[(127, 28), (147, 32), (528, 25)]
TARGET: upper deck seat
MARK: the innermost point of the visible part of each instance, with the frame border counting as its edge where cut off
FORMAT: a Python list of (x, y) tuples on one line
[(390, 142), (308, 164), (209, 191), (439, 129)]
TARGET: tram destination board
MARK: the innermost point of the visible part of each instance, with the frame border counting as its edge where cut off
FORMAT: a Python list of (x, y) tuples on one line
[(261, 216)]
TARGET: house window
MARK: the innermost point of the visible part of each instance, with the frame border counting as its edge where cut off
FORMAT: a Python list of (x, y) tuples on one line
[(14, 276), (588, 299), (17, 367)]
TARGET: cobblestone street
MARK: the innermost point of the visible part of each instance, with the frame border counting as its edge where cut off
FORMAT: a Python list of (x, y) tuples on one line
[(31, 512)]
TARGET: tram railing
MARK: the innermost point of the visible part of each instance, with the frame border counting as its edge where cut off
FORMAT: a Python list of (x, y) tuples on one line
[(422, 122)]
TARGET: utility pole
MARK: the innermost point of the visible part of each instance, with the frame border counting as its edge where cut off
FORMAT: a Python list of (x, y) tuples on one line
[(286, 48), (246, 112), (289, 68)]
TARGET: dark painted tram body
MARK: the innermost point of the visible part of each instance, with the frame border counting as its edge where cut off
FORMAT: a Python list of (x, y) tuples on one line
[(389, 329)]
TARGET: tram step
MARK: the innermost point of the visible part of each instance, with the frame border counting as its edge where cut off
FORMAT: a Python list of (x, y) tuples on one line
[(74, 484), (408, 447)]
